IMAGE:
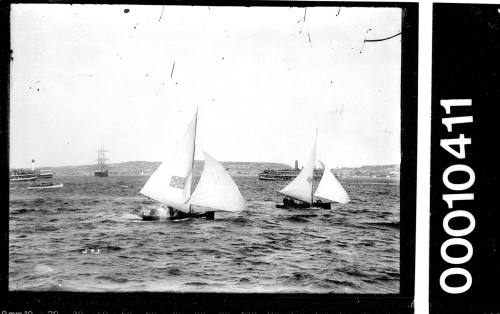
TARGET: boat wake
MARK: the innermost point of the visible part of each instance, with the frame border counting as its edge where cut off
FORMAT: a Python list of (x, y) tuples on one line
[(131, 216)]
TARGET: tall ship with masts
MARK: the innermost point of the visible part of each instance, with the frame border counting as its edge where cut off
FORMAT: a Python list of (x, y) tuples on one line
[(101, 171)]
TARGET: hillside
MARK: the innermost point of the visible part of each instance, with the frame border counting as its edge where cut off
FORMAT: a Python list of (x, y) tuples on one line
[(132, 168)]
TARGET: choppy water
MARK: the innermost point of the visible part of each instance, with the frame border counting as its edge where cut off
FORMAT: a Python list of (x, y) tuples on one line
[(352, 248)]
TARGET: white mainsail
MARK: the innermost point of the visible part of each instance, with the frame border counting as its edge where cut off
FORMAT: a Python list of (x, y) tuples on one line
[(330, 188), (171, 182), (301, 187), (216, 189)]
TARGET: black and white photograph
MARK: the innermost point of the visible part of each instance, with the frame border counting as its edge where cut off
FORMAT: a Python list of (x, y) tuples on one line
[(211, 149)]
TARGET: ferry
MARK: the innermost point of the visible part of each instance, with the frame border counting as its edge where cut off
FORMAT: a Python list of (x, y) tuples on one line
[(45, 174), (20, 175), (287, 174)]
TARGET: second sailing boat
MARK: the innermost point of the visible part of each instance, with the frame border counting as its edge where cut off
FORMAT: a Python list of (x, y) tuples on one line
[(301, 188), (171, 184)]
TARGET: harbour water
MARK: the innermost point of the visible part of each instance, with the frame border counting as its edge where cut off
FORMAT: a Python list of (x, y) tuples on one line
[(352, 248)]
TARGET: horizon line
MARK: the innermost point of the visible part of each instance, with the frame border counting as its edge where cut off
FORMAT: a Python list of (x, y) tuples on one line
[(267, 162)]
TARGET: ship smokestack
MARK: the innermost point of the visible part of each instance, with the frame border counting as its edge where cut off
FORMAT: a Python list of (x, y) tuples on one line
[(296, 164), (32, 165)]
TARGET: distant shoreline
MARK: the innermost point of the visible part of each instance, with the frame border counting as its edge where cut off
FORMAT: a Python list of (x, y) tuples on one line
[(243, 169), (356, 178), (157, 163)]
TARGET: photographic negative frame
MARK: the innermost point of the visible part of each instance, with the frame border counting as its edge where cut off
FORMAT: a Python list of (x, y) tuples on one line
[(260, 302)]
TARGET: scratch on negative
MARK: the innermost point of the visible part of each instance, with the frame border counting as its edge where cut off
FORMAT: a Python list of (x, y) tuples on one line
[(303, 19), (364, 40), (376, 40), (338, 12), (382, 39), (309, 36), (172, 72), (162, 7)]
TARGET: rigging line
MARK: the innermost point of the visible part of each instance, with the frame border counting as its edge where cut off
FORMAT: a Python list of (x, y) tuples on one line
[(382, 39), (375, 121)]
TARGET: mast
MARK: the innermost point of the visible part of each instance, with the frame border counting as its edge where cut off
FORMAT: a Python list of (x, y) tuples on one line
[(194, 144), (100, 158), (301, 187), (314, 166), (171, 182)]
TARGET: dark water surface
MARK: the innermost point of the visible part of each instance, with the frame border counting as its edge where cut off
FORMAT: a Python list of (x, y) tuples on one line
[(352, 248)]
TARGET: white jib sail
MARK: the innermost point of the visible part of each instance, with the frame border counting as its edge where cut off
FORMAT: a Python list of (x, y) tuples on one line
[(330, 188), (216, 189), (171, 182), (301, 187)]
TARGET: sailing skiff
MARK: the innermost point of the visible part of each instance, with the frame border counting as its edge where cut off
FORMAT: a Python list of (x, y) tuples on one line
[(301, 188), (171, 184)]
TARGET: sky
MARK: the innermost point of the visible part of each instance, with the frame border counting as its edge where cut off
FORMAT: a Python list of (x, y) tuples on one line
[(130, 77)]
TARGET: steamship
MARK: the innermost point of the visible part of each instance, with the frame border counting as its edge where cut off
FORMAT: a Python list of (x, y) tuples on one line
[(20, 175), (287, 174)]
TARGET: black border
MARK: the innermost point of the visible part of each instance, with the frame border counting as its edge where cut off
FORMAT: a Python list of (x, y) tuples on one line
[(231, 302), (466, 65)]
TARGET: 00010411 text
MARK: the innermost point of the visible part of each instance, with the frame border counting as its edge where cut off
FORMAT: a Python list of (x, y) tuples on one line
[(462, 171)]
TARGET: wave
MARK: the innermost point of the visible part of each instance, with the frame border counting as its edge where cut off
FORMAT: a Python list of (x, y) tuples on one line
[(196, 283), (47, 228), (43, 269), (296, 218), (239, 221), (174, 271), (20, 211), (113, 248), (113, 278), (342, 282), (391, 224), (131, 217)]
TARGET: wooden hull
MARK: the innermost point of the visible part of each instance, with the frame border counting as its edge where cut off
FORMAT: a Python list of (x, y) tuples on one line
[(150, 218), (178, 215), (305, 205), (101, 173)]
